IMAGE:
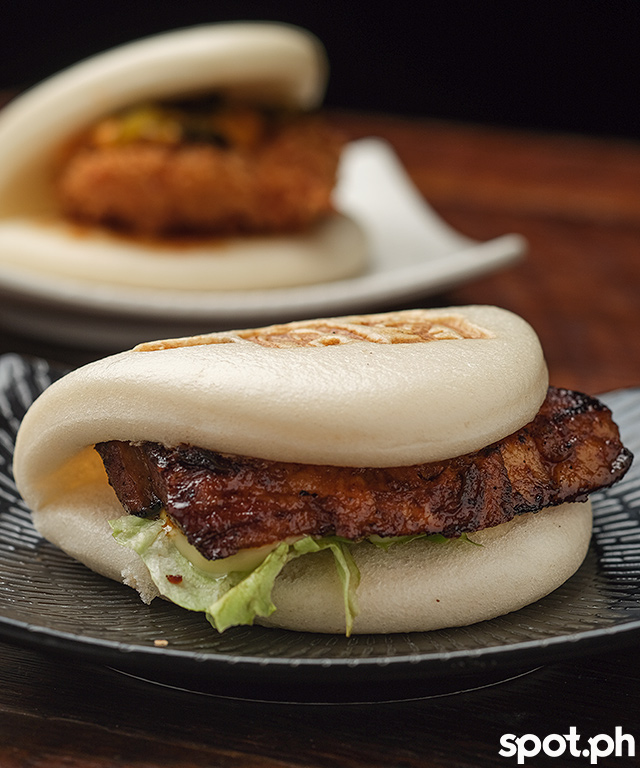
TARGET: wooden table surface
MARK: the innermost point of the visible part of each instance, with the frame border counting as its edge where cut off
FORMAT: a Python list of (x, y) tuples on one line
[(577, 201)]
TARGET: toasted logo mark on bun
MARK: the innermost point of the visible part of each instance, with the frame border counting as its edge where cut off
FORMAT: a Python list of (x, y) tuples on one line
[(407, 327)]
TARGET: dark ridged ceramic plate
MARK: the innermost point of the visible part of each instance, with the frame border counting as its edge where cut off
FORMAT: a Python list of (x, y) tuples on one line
[(53, 603)]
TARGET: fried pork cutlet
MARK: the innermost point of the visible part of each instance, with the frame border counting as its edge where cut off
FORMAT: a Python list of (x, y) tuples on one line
[(224, 503), (163, 170)]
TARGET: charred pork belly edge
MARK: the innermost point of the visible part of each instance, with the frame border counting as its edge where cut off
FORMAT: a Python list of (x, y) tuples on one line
[(224, 503)]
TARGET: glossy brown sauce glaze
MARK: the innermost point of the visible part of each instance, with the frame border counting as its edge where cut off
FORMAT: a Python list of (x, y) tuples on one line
[(224, 503)]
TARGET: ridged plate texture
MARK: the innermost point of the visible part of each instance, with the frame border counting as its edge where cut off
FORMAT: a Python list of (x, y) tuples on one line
[(51, 602)]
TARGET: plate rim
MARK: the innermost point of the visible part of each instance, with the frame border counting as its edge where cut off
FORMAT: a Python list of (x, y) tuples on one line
[(422, 664), (450, 258)]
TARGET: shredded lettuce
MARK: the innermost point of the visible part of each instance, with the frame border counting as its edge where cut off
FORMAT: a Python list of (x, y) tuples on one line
[(233, 598)]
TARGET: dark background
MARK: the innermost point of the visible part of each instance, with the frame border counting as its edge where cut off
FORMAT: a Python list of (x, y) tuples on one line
[(568, 65)]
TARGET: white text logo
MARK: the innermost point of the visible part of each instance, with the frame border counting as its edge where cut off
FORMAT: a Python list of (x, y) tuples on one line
[(529, 745)]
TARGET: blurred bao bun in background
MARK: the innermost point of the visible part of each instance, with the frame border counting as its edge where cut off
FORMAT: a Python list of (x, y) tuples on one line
[(215, 115)]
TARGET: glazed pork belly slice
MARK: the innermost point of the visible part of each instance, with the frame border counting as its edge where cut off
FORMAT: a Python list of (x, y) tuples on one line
[(224, 503)]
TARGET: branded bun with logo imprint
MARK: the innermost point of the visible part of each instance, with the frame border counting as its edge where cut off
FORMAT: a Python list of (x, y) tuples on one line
[(375, 473), (193, 159)]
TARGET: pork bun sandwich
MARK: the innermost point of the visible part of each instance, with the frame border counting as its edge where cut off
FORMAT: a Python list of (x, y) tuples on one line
[(194, 159), (379, 473)]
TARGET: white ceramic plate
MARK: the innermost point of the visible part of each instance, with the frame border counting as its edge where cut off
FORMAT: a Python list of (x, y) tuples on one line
[(413, 254)]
